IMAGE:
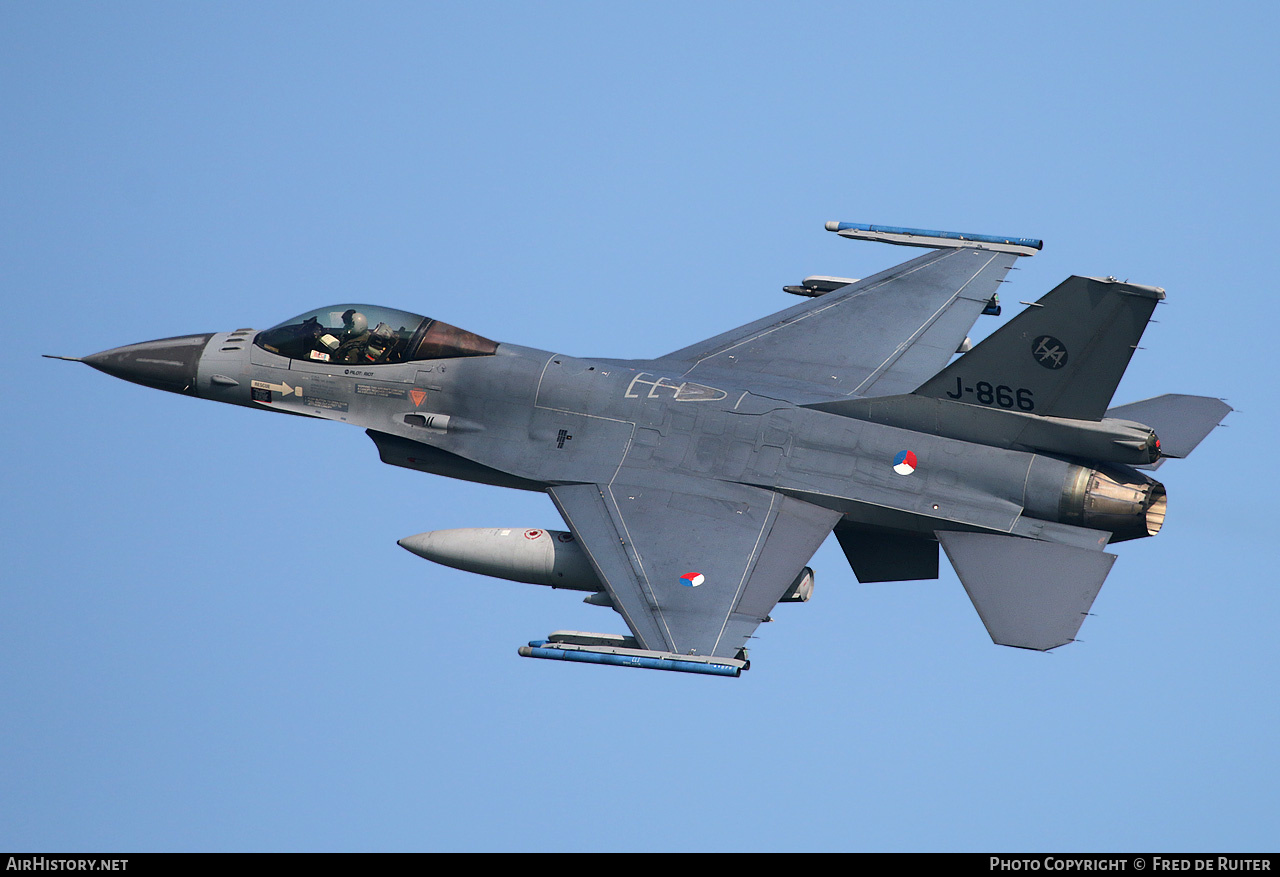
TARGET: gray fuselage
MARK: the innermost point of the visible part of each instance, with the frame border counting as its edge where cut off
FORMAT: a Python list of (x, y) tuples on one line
[(530, 419)]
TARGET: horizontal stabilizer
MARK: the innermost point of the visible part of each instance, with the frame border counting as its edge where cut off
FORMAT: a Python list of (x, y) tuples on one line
[(1180, 421), (1029, 594), (1063, 534)]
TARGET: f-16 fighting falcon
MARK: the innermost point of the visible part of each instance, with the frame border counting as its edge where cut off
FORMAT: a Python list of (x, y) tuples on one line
[(696, 486)]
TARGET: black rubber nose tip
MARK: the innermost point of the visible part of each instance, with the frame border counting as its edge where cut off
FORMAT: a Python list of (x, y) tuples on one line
[(167, 364)]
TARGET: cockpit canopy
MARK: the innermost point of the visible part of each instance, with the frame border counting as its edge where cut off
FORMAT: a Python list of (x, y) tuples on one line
[(370, 335)]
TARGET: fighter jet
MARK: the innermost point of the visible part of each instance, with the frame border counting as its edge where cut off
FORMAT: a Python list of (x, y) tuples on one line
[(696, 486)]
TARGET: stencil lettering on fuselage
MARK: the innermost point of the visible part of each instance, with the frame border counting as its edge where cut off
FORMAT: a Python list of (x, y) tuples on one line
[(646, 386)]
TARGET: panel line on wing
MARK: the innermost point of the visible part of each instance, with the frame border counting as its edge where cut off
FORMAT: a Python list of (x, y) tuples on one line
[(906, 345), (620, 605), (693, 565), (766, 525), (791, 321), (643, 577)]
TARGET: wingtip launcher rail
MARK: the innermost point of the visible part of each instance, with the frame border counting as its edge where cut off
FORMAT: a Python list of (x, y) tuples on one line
[(920, 237), (639, 658)]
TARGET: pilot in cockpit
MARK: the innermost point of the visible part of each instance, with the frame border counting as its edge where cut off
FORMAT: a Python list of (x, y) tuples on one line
[(364, 334), (355, 337)]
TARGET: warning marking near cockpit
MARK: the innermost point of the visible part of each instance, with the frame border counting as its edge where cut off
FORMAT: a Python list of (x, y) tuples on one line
[(323, 404), (417, 396), (282, 389), (378, 390)]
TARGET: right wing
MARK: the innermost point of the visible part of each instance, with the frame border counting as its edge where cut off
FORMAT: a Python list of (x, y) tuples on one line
[(881, 336)]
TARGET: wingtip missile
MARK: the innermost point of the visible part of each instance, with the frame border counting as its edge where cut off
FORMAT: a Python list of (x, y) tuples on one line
[(642, 659), (920, 237)]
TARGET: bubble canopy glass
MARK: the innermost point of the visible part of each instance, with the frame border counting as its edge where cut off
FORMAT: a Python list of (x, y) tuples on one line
[(370, 335)]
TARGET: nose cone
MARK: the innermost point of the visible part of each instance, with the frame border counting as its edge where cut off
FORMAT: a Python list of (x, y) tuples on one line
[(422, 545), (168, 364)]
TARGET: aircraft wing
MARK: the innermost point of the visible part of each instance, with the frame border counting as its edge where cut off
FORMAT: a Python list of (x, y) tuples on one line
[(693, 565), (881, 336)]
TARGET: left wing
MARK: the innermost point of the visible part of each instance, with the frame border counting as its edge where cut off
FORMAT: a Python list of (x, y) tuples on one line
[(881, 336), (693, 565)]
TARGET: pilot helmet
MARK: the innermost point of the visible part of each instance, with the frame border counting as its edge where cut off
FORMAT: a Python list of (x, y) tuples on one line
[(355, 322)]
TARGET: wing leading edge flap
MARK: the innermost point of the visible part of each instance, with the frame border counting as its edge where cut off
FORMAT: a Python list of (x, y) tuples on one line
[(693, 566), (1029, 594)]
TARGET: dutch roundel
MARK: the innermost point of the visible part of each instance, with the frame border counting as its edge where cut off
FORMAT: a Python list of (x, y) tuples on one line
[(905, 463), (692, 579)]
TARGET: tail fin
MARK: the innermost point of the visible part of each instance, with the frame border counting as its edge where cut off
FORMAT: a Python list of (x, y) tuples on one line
[(1061, 357)]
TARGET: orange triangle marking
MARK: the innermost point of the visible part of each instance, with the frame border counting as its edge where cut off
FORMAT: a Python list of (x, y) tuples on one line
[(417, 396)]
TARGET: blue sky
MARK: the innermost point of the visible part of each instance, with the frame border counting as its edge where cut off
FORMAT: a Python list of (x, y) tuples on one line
[(209, 638)]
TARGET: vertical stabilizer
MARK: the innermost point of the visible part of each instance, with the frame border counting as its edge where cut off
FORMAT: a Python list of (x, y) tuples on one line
[(1061, 357)]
